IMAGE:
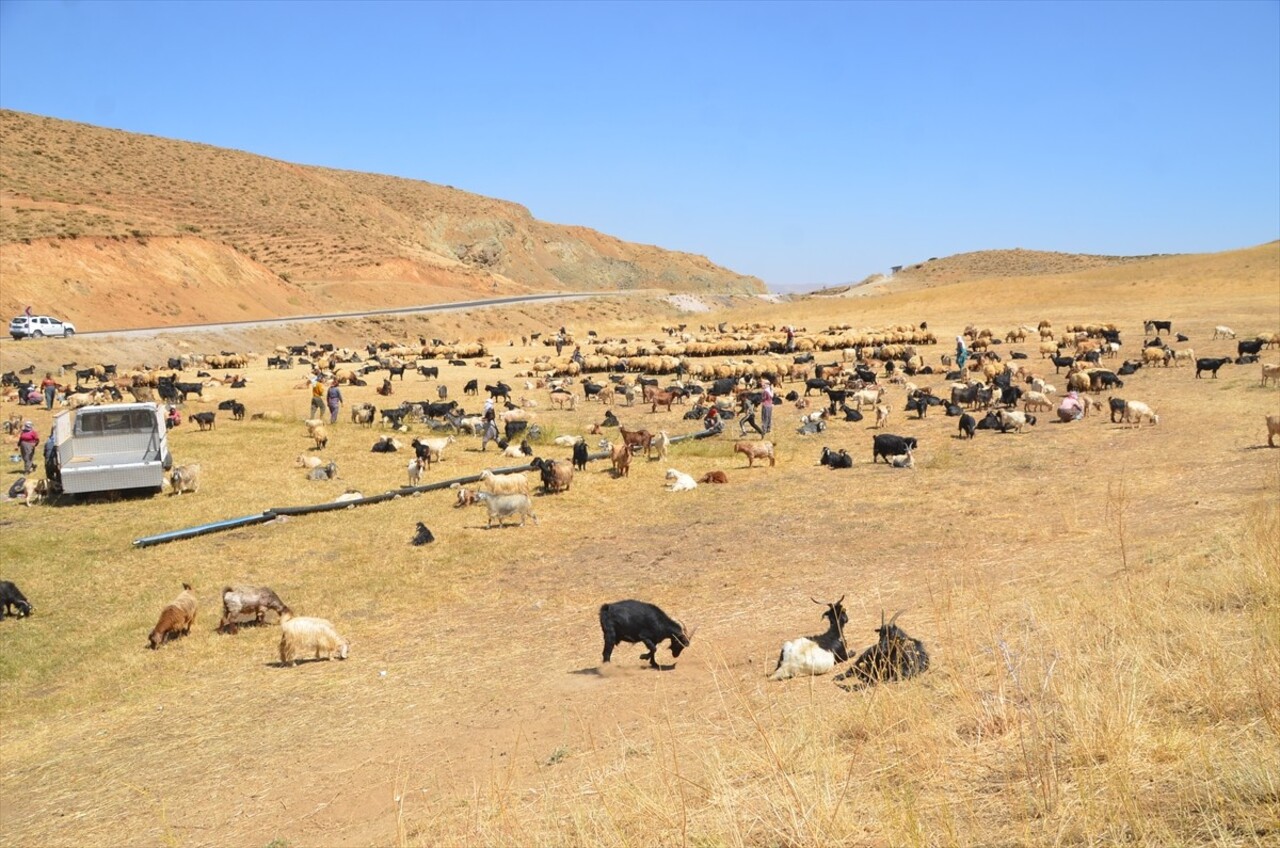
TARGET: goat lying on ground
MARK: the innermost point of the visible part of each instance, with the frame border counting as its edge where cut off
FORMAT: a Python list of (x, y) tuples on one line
[(714, 477), (637, 621), (832, 459), (896, 656), (678, 481), (815, 654), (423, 535)]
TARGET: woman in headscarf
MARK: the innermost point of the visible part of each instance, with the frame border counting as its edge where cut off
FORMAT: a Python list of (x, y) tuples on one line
[(1071, 408)]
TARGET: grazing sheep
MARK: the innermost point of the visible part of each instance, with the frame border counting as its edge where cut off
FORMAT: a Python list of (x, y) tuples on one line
[(422, 536), (637, 621), (12, 601), (175, 619), (678, 481), (503, 484), (1036, 401), (896, 656), (1221, 332), (714, 477), (1135, 411), (301, 636), (244, 600), (505, 506), (185, 478), (819, 654), (1273, 429), (754, 451)]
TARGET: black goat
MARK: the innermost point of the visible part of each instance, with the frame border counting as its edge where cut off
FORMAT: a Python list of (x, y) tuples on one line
[(1211, 365), (580, 455), (1118, 406), (637, 621), (967, 425), (896, 656), (12, 601), (832, 459), (423, 536), (887, 445)]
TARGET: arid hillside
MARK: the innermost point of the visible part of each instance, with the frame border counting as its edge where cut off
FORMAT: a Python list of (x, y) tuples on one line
[(85, 211)]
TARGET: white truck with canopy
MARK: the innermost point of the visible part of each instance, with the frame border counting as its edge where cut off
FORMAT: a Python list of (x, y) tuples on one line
[(115, 447)]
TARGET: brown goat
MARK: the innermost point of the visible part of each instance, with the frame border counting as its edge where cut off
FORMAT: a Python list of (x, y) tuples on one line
[(714, 477)]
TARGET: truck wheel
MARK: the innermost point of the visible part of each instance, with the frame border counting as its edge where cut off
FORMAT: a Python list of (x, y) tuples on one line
[(66, 334), (37, 334)]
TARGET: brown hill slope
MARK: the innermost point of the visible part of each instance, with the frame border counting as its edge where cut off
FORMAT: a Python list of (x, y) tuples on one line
[(84, 208)]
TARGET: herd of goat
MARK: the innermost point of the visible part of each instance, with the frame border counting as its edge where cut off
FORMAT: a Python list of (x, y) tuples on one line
[(850, 384)]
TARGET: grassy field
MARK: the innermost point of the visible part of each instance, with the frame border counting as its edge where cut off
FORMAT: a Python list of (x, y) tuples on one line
[(1102, 605)]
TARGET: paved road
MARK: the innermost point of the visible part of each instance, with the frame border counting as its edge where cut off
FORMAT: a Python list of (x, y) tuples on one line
[(312, 319)]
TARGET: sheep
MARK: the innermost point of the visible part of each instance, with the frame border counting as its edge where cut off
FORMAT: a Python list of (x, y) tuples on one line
[(1221, 332), (714, 477), (566, 441), (303, 635), (868, 397), (1273, 429), (1135, 411), (246, 599), (637, 621), (185, 478), (754, 451), (505, 506), (12, 601), (678, 481), (308, 462), (819, 654), (175, 619), (895, 656), (503, 484), (1271, 372), (1036, 401)]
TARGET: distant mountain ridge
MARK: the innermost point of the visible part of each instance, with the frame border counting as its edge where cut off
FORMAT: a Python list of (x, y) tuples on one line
[(83, 206)]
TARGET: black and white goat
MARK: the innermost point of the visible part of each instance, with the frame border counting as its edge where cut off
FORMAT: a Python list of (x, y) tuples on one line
[(896, 656), (819, 654)]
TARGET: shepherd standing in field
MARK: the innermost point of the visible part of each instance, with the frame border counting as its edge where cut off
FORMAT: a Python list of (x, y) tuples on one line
[(962, 352), (317, 396), (334, 399), (27, 442), (766, 407)]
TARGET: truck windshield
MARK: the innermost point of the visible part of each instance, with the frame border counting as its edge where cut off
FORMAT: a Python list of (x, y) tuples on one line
[(114, 422)]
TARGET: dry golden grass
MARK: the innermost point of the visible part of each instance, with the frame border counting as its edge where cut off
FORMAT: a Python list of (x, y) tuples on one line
[(1102, 605)]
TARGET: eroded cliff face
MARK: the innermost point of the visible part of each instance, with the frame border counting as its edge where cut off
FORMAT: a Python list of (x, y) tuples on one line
[(99, 222)]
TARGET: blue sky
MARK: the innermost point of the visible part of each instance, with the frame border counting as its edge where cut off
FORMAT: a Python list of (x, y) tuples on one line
[(805, 143)]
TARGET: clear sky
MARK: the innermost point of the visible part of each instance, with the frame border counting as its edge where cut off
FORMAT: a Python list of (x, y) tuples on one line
[(805, 143)]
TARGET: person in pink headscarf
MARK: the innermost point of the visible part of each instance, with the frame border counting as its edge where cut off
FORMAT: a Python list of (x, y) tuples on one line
[(1072, 408)]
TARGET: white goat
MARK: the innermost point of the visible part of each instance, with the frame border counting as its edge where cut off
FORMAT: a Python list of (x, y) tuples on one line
[(678, 481), (503, 484)]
